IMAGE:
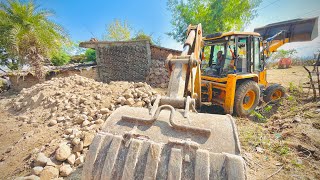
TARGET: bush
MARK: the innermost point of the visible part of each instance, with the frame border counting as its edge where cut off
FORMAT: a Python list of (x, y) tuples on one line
[(90, 55), (78, 58), (60, 59)]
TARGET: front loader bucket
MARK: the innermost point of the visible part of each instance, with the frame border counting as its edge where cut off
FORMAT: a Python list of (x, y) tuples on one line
[(297, 30), (132, 145)]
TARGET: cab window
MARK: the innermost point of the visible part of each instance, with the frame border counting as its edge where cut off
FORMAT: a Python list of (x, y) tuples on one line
[(256, 55)]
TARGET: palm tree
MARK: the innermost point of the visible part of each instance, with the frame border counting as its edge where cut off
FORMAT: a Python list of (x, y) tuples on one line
[(28, 35)]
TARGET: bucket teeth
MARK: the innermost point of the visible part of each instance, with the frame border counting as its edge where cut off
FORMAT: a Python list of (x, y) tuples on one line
[(109, 158)]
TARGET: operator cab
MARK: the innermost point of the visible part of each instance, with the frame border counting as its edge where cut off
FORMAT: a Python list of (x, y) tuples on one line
[(240, 54)]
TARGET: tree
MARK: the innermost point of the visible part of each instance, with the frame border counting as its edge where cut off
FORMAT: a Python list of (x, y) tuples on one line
[(214, 15), (60, 58), (281, 53), (141, 35), (90, 55), (27, 35), (118, 31)]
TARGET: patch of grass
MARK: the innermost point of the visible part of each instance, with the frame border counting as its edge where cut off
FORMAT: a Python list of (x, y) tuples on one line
[(258, 116), (268, 108), (295, 163)]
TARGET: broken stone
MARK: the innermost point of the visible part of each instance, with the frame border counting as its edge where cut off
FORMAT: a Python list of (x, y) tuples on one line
[(296, 119), (99, 121), (60, 119), (80, 119), (85, 123), (78, 147), (31, 177), (104, 110), (41, 160), (68, 131), (23, 118), (87, 140), (259, 150), (49, 172), (71, 159), (63, 152), (65, 170), (79, 160), (76, 141), (98, 97), (129, 101), (37, 170), (53, 122)]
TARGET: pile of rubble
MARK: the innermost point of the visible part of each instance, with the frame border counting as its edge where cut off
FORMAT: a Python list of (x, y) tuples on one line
[(158, 74), (77, 107)]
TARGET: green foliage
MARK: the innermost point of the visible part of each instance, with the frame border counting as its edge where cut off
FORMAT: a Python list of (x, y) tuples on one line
[(280, 148), (268, 108), (258, 115), (141, 35), (118, 31), (214, 15), (284, 53), (60, 58), (27, 34), (79, 58), (90, 55)]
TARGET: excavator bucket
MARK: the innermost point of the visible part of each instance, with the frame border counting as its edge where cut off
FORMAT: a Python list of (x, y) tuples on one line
[(172, 145), (297, 30)]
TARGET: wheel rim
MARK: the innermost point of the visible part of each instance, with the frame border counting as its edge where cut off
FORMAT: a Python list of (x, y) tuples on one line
[(276, 95), (248, 100)]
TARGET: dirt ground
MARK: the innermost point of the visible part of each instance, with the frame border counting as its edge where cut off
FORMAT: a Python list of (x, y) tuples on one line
[(296, 75), (285, 141)]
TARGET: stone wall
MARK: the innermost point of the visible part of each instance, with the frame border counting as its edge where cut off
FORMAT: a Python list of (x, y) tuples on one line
[(158, 74), (128, 61), (131, 61)]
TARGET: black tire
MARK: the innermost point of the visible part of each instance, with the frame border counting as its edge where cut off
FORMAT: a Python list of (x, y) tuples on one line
[(241, 97), (274, 92)]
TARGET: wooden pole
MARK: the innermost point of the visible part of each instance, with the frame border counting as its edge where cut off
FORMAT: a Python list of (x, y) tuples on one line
[(312, 84)]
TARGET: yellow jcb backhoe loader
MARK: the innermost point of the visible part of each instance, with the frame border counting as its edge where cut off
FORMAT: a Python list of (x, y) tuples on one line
[(171, 140), (237, 79)]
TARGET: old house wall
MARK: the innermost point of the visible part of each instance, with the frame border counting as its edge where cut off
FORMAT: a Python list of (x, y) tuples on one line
[(158, 74), (132, 61), (129, 61)]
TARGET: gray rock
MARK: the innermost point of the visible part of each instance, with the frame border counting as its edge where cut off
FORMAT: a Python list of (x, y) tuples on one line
[(63, 152), (296, 119)]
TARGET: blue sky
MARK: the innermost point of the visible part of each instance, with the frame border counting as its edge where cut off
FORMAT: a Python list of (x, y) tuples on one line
[(85, 19)]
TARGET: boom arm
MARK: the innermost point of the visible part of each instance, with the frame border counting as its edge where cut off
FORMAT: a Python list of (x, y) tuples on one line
[(184, 70), (277, 34)]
